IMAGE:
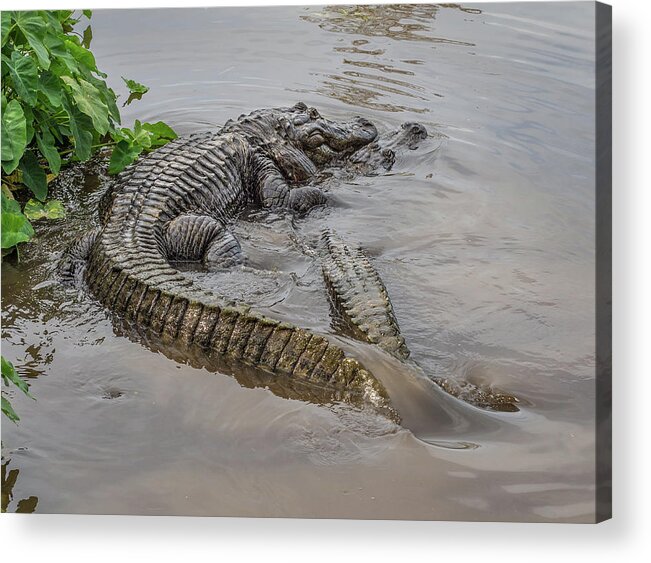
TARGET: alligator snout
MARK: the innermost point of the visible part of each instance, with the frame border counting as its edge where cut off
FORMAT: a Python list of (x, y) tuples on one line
[(413, 133)]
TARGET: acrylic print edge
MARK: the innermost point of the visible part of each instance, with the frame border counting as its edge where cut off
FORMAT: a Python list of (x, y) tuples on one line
[(603, 185)]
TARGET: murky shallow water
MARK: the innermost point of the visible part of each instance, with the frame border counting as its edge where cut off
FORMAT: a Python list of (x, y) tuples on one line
[(484, 238)]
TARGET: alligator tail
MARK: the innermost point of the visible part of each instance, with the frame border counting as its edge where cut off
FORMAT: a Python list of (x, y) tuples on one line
[(146, 291), (362, 308)]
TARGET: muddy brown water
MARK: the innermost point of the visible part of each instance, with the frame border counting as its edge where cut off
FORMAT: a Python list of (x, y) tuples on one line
[(483, 236)]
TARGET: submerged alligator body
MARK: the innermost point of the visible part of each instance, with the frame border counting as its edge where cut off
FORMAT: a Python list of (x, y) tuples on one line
[(176, 204)]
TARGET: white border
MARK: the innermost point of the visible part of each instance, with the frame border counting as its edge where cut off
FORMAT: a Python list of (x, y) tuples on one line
[(129, 538)]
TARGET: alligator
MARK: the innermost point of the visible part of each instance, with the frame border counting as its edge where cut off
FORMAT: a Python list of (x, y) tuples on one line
[(177, 203)]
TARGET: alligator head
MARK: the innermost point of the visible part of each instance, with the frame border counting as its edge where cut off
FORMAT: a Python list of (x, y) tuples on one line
[(324, 140), (299, 138), (381, 153)]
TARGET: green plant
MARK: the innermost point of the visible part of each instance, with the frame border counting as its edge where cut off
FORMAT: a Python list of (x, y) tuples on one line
[(57, 108), (10, 376)]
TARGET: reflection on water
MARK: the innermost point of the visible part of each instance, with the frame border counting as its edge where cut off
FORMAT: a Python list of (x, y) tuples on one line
[(484, 238), (400, 22), (8, 481), (396, 22)]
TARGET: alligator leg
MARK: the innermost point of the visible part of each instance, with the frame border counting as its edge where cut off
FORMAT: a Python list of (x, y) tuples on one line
[(272, 189), (293, 163), (192, 238), (74, 258)]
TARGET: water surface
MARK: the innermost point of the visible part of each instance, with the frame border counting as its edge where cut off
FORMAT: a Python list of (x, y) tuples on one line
[(484, 238)]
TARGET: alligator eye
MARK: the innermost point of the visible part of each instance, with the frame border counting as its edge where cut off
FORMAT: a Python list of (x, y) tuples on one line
[(314, 114), (300, 106), (285, 126)]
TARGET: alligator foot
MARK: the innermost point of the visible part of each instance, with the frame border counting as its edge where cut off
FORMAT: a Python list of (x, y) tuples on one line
[(200, 238), (274, 191), (73, 261), (302, 199)]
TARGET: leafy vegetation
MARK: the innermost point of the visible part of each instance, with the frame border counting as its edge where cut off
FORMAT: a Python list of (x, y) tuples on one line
[(10, 376), (56, 109)]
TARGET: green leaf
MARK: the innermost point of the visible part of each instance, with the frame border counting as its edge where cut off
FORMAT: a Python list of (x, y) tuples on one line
[(34, 210), (51, 86), (24, 76), (60, 56), (136, 90), (29, 124), (14, 134), (54, 25), (135, 86), (34, 176), (15, 229), (108, 96), (9, 375), (53, 209), (34, 28), (87, 13), (161, 133), (89, 102), (81, 54), (9, 204), (45, 142), (15, 226), (87, 37), (80, 127), (63, 15), (5, 17), (8, 410), (141, 136), (124, 153)]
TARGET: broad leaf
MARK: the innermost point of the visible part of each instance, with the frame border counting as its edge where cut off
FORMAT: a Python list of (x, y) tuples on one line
[(34, 176), (5, 17), (54, 25), (135, 86), (45, 142), (24, 76), (89, 102), (87, 37), (9, 375), (141, 136), (61, 58), (123, 154), (9, 204), (29, 124), (81, 54), (8, 410), (14, 135), (108, 96), (53, 209), (15, 226), (161, 133), (51, 86), (34, 28), (79, 128), (136, 90)]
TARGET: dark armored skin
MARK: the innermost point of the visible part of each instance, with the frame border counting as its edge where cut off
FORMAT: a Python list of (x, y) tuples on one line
[(363, 309), (176, 203)]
